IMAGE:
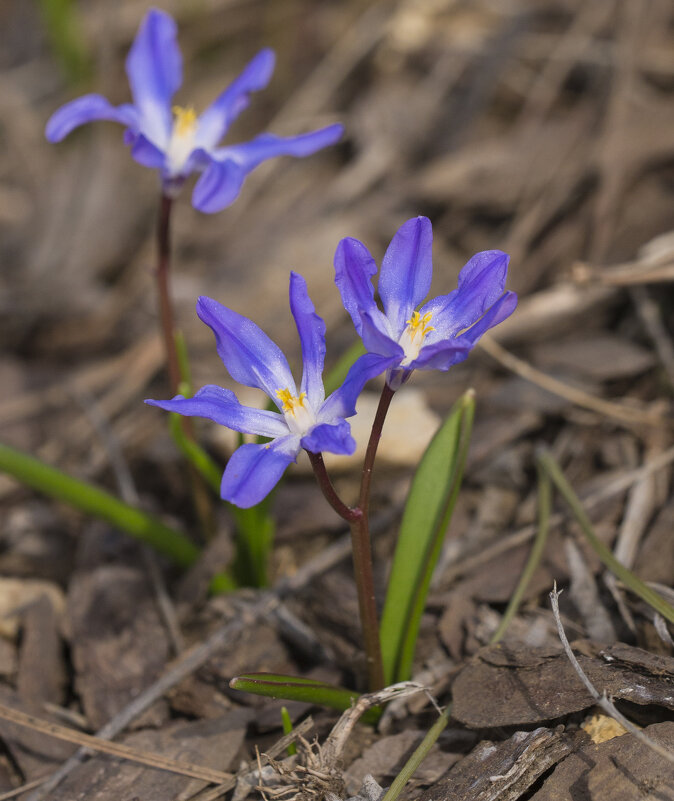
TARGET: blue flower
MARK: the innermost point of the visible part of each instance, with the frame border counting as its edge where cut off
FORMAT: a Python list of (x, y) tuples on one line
[(306, 419), (444, 330), (173, 139)]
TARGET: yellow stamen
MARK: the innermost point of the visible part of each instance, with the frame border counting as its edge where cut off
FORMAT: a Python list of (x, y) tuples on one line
[(417, 323), (290, 402), (185, 120)]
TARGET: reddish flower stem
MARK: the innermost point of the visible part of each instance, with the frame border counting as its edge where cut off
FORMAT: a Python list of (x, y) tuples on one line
[(164, 293), (162, 274), (360, 540), (347, 512)]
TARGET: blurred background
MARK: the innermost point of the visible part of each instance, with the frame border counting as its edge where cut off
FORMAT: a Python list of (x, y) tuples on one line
[(540, 128)]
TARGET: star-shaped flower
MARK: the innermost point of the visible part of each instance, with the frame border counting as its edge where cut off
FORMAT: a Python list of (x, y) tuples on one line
[(306, 418), (444, 330), (173, 139)]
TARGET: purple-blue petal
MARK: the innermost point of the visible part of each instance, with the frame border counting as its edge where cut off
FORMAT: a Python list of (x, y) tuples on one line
[(481, 283), (444, 354), (246, 351), (406, 271), (376, 340), (501, 310), (354, 268), (440, 355), (154, 67), (146, 153), (267, 146), (218, 186), (311, 330), (254, 470), (87, 109), (330, 437), (342, 402), (217, 118), (222, 406)]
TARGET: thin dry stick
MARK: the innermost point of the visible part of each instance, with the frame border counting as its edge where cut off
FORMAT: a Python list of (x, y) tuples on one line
[(20, 790), (617, 411), (601, 699), (114, 749), (194, 658)]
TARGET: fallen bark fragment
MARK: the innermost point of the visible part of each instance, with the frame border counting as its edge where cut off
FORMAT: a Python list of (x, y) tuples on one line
[(516, 685), (504, 770)]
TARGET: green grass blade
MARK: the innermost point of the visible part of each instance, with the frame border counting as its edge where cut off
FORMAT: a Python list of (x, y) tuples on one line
[(97, 502), (420, 753), (255, 528), (619, 570), (195, 454), (287, 729), (427, 514), (296, 688), (544, 501)]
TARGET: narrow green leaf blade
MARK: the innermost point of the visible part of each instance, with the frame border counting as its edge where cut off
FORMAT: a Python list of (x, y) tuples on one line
[(427, 513), (287, 729), (628, 578), (297, 688), (94, 501)]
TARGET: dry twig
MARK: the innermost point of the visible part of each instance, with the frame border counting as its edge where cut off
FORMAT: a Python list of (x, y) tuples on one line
[(602, 699)]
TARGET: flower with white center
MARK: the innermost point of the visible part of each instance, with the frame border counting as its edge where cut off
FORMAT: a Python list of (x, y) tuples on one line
[(175, 140), (306, 418), (444, 330)]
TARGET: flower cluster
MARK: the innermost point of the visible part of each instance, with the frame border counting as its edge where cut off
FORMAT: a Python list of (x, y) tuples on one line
[(398, 341), (173, 139), (403, 337)]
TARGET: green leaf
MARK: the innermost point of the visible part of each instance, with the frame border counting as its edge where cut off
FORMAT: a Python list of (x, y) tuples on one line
[(96, 502), (255, 528), (195, 454), (628, 578), (287, 729), (420, 753), (428, 510), (296, 688)]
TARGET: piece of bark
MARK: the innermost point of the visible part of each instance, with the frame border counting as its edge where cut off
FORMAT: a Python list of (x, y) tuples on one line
[(17, 594), (119, 643), (505, 770), (452, 626), (516, 685), (621, 769), (41, 675), (211, 743), (206, 693), (382, 760)]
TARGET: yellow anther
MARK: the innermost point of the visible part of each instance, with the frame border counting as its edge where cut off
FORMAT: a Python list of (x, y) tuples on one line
[(186, 119), (290, 402), (417, 323)]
